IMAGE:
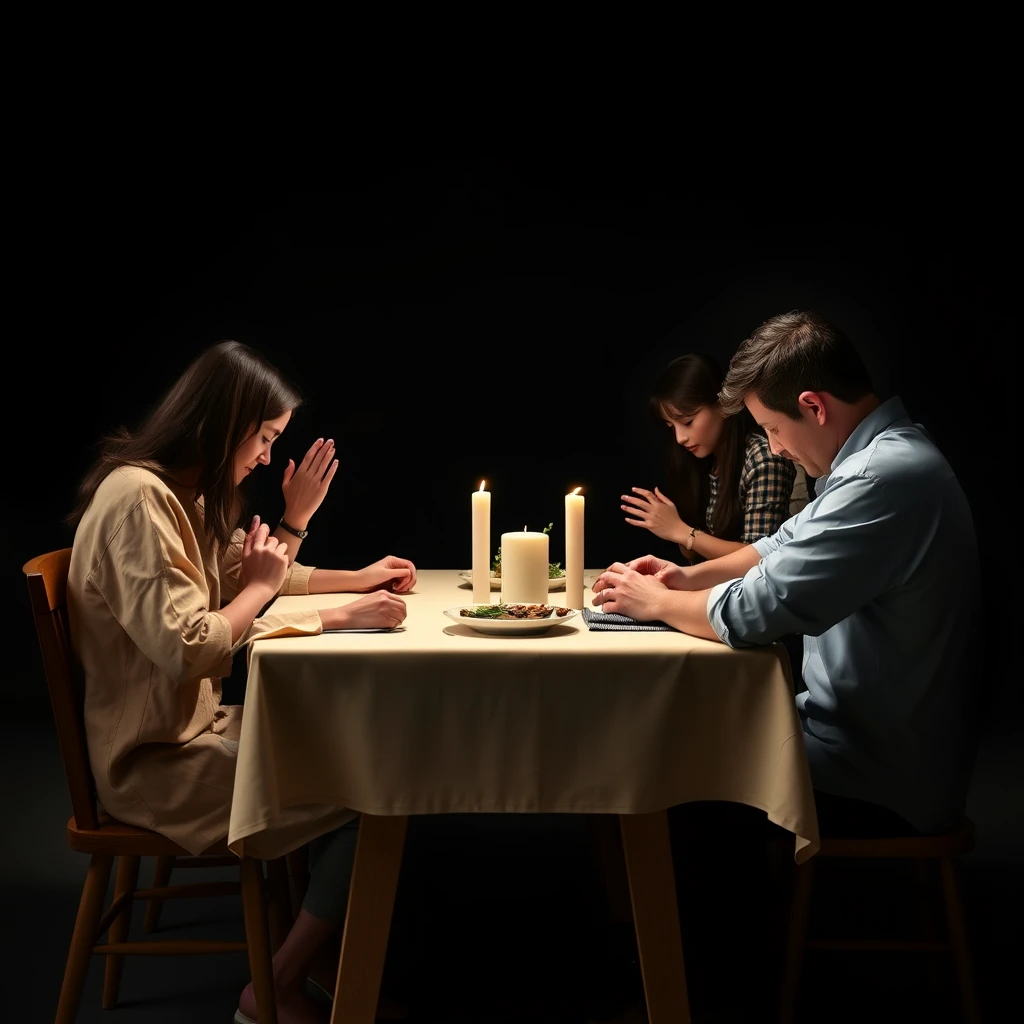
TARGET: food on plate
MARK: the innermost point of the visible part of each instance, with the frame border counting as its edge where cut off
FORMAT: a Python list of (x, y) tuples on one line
[(514, 611)]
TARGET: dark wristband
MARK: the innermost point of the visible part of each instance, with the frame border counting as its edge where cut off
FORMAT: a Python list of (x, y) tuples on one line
[(301, 534)]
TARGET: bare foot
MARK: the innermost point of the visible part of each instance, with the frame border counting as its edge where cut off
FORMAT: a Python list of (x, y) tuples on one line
[(293, 1007)]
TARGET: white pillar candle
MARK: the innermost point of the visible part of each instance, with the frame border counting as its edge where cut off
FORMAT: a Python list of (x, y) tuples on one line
[(482, 545), (574, 549), (524, 568)]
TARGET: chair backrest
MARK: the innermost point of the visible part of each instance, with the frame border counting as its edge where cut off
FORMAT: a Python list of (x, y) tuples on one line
[(47, 577)]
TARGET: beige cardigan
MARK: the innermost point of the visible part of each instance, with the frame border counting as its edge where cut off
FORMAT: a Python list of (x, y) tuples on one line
[(144, 593)]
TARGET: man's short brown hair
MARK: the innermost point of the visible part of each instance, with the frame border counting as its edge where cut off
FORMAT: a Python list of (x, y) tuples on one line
[(789, 354)]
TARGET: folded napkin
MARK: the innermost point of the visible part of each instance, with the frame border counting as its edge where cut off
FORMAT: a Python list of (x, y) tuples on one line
[(613, 620)]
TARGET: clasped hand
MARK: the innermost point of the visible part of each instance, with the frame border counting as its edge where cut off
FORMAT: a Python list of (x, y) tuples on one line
[(635, 588), (264, 557)]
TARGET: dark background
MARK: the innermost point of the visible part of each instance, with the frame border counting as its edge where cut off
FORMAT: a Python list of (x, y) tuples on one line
[(450, 321)]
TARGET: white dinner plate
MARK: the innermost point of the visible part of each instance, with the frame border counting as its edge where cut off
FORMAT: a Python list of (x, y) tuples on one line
[(555, 583), (503, 627)]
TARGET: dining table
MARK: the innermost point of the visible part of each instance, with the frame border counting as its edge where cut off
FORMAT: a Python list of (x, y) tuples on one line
[(450, 714)]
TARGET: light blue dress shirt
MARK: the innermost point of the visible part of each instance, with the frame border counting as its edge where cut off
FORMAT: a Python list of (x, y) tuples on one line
[(880, 572)]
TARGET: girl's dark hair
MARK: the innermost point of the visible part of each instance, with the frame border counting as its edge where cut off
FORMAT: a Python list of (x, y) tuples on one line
[(687, 384), (215, 405)]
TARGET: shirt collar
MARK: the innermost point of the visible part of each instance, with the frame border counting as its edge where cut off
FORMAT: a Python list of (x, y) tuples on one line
[(870, 427)]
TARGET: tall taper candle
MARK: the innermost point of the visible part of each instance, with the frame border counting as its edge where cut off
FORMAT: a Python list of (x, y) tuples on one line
[(482, 545), (574, 549)]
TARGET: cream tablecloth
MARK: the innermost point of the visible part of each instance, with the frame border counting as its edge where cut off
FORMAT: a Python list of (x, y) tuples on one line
[(437, 718)]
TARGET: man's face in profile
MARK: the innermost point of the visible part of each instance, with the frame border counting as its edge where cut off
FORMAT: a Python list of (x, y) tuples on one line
[(802, 440)]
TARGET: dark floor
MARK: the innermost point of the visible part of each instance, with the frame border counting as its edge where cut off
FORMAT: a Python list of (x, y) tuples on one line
[(500, 920)]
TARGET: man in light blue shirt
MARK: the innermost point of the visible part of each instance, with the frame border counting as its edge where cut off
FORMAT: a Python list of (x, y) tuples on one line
[(879, 572)]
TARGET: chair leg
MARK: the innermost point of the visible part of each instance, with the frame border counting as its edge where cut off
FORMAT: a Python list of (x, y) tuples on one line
[(127, 881), (161, 878), (958, 940), (90, 906), (799, 906), (257, 937), (280, 904), (924, 891)]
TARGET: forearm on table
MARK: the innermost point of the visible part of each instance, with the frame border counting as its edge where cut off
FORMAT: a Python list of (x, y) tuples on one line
[(336, 581), (335, 618), (730, 566), (687, 610)]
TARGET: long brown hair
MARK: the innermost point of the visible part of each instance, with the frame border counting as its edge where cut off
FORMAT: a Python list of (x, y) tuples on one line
[(224, 394), (687, 384)]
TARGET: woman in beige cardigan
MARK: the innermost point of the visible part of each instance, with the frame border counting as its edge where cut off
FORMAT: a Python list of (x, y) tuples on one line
[(166, 585)]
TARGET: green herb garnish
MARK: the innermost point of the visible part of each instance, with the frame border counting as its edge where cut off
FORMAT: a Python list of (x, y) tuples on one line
[(554, 568), (487, 611)]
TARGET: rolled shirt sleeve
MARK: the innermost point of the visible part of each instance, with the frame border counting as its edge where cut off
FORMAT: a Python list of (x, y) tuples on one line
[(820, 566)]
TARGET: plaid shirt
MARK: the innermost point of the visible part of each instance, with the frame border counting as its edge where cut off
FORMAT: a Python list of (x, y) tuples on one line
[(766, 484)]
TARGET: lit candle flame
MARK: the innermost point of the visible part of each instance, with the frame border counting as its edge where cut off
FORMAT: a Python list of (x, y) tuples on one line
[(483, 484), (524, 529), (575, 490)]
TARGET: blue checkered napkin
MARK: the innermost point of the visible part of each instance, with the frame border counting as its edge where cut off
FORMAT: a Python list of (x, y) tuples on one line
[(612, 620)]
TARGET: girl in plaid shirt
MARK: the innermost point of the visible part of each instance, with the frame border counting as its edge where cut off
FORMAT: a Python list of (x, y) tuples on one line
[(724, 488)]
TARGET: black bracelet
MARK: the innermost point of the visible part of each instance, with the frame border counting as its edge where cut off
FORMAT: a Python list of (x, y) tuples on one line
[(301, 534)]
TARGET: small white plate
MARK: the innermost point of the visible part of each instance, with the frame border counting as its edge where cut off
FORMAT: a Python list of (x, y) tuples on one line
[(503, 627), (555, 583)]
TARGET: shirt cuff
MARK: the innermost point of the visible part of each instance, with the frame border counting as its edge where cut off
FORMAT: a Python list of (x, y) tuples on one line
[(296, 580), (714, 605)]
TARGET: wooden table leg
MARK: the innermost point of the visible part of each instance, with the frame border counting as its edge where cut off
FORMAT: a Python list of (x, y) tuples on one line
[(371, 900), (652, 887)]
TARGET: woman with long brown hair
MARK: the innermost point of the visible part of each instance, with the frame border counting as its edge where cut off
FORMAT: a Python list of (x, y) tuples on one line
[(170, 576)]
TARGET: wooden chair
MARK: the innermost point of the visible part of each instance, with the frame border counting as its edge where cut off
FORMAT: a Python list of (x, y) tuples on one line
[(105, 839), (287, 880), (926, 852)]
